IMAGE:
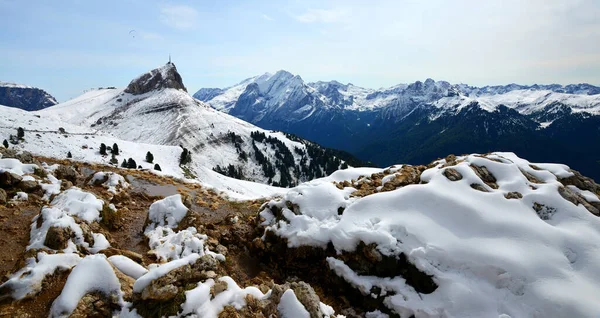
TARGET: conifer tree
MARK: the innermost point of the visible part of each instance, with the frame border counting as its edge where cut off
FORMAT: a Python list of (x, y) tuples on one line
[(103, 149), (131, 164), (115, 149), (69, 155), (149, 157), (5, 143), (20, 133), (157, 167), (124, 164)]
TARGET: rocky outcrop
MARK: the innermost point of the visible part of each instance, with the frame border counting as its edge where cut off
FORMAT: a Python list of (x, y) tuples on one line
[(25, 97), (157, 79), (66, 172), (9, 179), (57, 238)]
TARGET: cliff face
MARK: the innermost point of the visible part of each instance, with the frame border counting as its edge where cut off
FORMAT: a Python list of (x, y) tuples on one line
[(160, 78), (25, 97)]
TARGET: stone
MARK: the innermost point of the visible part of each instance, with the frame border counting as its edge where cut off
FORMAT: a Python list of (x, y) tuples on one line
[(452, 174), (485, 175), (577, 199), (67, 173), (479, 187), (65, 184), (513, 195), (308, 297), (95, 305), (9, 179), (218, 287), (58, 238), (158, 292), (2, 196), (29, 186), (25, 157), (221, 250)]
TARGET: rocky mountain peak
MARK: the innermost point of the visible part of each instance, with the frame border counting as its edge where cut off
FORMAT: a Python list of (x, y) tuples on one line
[(25, 97), (157, 79)]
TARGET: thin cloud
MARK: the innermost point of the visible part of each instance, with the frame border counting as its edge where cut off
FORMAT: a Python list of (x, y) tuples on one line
[(266, 17), (322, 16), (180, 17)]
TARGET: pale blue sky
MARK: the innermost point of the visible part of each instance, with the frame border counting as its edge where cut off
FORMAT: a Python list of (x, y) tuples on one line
[(66, 46)]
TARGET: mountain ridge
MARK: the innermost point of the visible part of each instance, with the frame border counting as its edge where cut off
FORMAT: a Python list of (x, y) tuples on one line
[(25, 97), (155, 108), (350, 118)]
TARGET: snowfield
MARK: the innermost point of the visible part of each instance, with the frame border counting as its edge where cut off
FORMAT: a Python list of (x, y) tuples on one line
[(492, 254)]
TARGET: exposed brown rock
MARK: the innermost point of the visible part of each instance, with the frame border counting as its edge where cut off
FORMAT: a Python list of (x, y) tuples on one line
[(531, 178), (577, 199), (96, 305), (29, 186), (307, 296), (452, 174), (485, 175), (9, 180), (513, 195), (58, 238), (2, 196), (66, 172), (479, 187)]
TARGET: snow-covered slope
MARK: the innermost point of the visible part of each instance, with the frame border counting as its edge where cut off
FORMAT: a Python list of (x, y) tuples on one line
[(156, 109), (48, 137), (492, 236), (526, 101), (24, 97)]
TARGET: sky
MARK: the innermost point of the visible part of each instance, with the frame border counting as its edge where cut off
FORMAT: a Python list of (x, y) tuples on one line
[(68, 46)]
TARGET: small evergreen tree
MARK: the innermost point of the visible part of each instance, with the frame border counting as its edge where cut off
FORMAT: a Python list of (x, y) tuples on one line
[(157, 167), (5, 143), (131, 164), (103, 149), (115, 149), (149, 157), (69, 155), (124, 164), (20, 133), (113, 159), (186, 157)]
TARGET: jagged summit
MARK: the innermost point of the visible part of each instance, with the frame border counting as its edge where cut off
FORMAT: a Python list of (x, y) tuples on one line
[(160, 78)]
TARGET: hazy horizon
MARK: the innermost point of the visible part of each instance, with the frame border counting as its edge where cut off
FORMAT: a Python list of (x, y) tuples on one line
[(71, 46)]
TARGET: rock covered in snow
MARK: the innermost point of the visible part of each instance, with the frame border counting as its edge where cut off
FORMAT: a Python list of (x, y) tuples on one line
[(515, 249)]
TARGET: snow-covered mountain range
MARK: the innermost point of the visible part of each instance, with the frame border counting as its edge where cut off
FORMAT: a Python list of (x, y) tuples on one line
[(24, 97), (288, 91), (155, 109), (378, 124)]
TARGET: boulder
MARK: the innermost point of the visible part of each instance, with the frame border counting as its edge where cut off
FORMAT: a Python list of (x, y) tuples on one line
[(513, 195), (66, 172), (29, 186), (308, 297), (452, 174), (485, 175), (58, 238), (2, 196), (9, 180), (96, 305)]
